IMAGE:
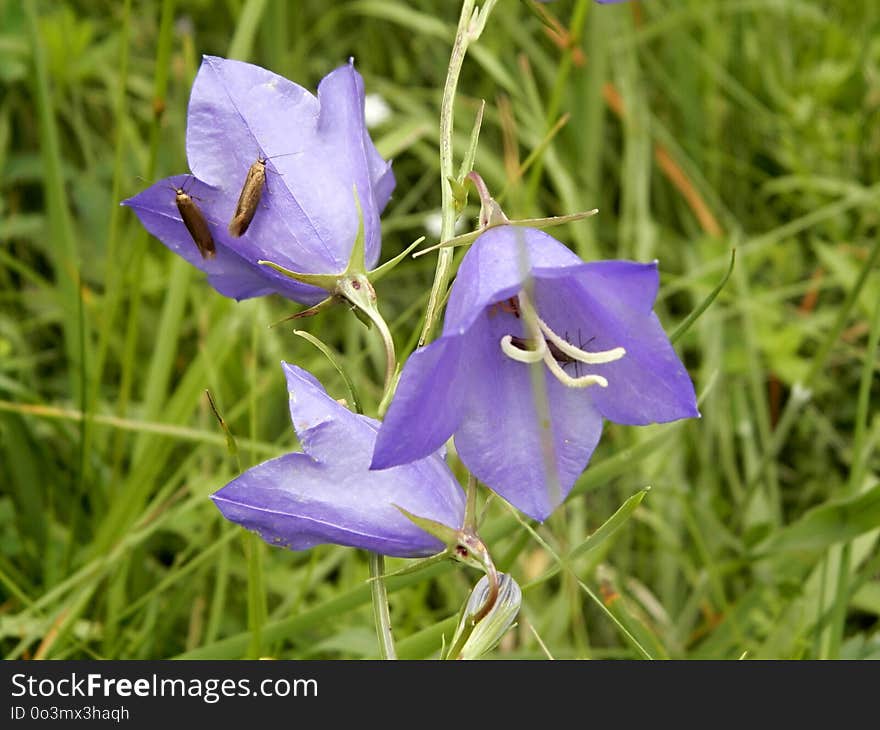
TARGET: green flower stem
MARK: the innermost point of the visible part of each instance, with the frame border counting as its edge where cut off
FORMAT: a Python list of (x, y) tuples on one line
[(390, 356), (357, 290), (381, 614), (470, 25)]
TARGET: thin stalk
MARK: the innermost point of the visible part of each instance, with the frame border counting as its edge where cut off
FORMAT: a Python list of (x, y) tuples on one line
[(378, 592), (254, 546), (463, 36), (388, 342), (381, 614), (255, 594)]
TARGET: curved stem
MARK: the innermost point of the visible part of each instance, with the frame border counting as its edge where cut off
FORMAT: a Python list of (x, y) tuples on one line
[(381, 615), (447, 224), (388, 341), (357, 290)]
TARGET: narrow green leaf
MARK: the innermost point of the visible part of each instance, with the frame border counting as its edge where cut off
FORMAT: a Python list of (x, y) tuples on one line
[(704, 305), (539, 223), (334, 361), (381, 271)]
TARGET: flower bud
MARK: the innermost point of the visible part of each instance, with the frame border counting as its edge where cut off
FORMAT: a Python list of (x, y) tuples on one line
[(488, 632)]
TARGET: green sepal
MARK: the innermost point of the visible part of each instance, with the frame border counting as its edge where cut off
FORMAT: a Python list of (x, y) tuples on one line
[(418, 565), (539, 223), (357, 262), (448, 535), (231, 444), (467, 162), (334, 283), (385, 268), (704, 305), (310, 312), (323, 281)]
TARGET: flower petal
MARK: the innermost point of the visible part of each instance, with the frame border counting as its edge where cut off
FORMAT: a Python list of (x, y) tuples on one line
[(323, 425), (606, 305), (504, 440), (497, 265), (427, 405), (328, 493), (233, 271), (297, 503), (309, 219), (238, 113), (350, 153)]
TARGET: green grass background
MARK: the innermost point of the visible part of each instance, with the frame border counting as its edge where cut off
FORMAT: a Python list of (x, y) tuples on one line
[(752, 124)]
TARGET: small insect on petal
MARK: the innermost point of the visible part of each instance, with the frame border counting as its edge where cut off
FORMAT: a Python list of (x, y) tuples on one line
[(249, 199), (195, 223)]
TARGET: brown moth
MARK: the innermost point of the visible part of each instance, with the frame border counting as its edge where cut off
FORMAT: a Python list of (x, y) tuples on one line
[(195, 223), (249, 199)]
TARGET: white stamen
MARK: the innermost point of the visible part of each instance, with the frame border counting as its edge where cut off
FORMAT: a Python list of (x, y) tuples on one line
[(585, 381), (575, 353), (540, 332), (520, 355)]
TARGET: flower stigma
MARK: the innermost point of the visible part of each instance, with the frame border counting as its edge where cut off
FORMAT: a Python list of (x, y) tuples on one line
[(548, 347)]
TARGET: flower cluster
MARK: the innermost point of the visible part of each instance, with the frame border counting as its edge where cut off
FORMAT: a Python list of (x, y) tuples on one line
[(537, 347)]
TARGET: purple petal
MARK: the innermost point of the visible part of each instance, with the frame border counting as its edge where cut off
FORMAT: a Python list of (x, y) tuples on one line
[(322, 424), (607, 305), (497, 265), (239, 112), (233, 271), (296, 503), (328, 494), (321, 156), (427, 405), (503, 439)]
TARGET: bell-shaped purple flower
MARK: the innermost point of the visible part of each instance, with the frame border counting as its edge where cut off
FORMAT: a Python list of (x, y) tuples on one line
[(328, 493), (317, 155), (537, 348)]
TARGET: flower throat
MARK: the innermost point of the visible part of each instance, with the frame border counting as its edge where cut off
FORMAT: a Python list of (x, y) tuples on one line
[(545, 345)]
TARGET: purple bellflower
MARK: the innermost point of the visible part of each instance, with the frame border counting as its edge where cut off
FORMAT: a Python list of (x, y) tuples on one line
[(318, 155), (328, 494), (523, 305)]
